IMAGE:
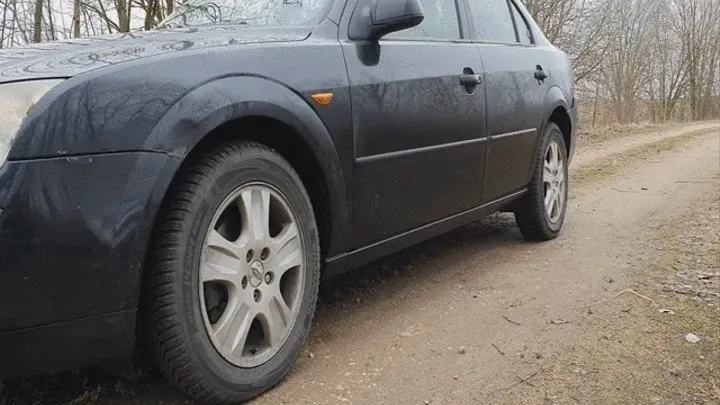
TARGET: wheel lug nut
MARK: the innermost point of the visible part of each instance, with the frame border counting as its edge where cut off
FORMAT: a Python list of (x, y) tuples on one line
[(264, 254), (257, 295), (249, 256), (268, 278), (244, 282)]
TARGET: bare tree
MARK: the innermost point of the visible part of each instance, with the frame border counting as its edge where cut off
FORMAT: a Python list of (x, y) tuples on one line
[(700, 35), (668, 66)]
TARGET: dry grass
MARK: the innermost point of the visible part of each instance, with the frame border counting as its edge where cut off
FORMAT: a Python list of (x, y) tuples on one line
[(615, 164), (591, 136), (629, 352)]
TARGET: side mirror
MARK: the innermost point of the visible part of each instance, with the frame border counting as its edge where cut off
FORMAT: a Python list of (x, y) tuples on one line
[(374, 19)]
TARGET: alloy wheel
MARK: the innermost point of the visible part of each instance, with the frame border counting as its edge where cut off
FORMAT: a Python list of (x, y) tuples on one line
[(554, 182), (252, 275)]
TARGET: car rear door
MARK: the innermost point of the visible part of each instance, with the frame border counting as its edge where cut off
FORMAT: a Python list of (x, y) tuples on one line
[(419, 133), (516, 96)]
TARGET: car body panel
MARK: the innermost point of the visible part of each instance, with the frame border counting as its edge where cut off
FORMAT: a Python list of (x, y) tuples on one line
[(67, 345), (184, 125), (135, 106), (73, 243), (409, 119), (119, 106), (514, 115), (73, 57)]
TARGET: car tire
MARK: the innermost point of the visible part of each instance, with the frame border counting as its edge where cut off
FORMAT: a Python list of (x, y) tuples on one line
[(538, 221), (220, 347)]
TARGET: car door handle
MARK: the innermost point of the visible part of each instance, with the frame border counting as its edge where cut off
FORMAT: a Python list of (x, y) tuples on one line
[(470, 80), (540, 74)]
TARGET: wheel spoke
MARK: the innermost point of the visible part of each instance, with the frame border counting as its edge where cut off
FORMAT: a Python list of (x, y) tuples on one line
[(256, 207), (214, 272), (548, 175), (549, 196), (555, 162), (232, 329), (276, 317), (220, 244), (220, 259), (286, 251)]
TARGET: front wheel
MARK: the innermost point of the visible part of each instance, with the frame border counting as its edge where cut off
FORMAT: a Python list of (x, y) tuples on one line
[(540, 215), (235, 275)]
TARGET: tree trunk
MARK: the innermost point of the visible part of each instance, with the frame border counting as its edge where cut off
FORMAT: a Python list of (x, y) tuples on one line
[(37, 26), (51, 23), (150, 10), (595, 105), (76, 18), (123, 12)]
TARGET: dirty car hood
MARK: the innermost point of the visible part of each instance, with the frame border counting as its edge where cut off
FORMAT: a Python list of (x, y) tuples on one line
[(72, 57)]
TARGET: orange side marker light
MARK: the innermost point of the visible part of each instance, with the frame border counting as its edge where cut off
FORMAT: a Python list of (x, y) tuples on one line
[(323, 99)]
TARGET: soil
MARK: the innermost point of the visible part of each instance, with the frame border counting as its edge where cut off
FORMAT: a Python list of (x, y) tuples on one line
[(602, 315)]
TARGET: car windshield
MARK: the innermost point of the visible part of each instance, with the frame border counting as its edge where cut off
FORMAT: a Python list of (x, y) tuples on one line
[(250, 12)]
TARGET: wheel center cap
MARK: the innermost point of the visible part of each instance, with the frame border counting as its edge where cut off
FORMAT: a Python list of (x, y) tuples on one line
[(257, 274)]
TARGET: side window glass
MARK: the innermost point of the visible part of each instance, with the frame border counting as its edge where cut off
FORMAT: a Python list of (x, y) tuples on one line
[(524, 30), (440, 23), (492, 20)]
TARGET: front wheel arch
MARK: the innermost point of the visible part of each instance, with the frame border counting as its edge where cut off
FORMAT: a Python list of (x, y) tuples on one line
[(288, 126), (224, 107)]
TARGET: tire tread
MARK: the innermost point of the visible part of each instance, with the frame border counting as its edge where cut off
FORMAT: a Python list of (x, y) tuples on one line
[(171, 351), (530, 215)]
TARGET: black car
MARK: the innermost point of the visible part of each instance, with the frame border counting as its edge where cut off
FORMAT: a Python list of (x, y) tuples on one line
[(187, 188)]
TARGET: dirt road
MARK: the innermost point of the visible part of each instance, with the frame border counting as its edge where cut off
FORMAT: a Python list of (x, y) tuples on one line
[(480, 316)]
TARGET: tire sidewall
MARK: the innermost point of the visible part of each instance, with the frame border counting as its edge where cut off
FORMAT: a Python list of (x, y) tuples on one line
[(254, 166), (552, 133)]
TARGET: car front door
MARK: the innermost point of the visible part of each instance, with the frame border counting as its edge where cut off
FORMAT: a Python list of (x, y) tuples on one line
[(418, 102), (515, 94)]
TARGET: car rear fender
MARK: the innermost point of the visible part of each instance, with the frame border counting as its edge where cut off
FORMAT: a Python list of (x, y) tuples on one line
[(554, 98)]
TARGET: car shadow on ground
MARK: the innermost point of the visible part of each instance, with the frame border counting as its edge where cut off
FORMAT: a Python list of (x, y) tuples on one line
[(340, 297)]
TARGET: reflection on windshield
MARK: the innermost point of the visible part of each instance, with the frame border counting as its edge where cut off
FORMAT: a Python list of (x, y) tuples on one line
[(250, 12)]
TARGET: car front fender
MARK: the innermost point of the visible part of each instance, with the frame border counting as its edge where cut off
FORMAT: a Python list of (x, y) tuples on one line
[(224, 100)]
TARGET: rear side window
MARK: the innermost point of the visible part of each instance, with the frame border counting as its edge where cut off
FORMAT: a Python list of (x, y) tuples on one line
[(523, 28), (440, 23), (492, 20)]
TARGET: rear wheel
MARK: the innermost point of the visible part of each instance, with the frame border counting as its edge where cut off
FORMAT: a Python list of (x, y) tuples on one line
[(540, 215), (235, 275)]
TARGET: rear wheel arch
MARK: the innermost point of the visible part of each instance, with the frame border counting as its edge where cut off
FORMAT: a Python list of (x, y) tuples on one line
[(558, 113), (561, 118)]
